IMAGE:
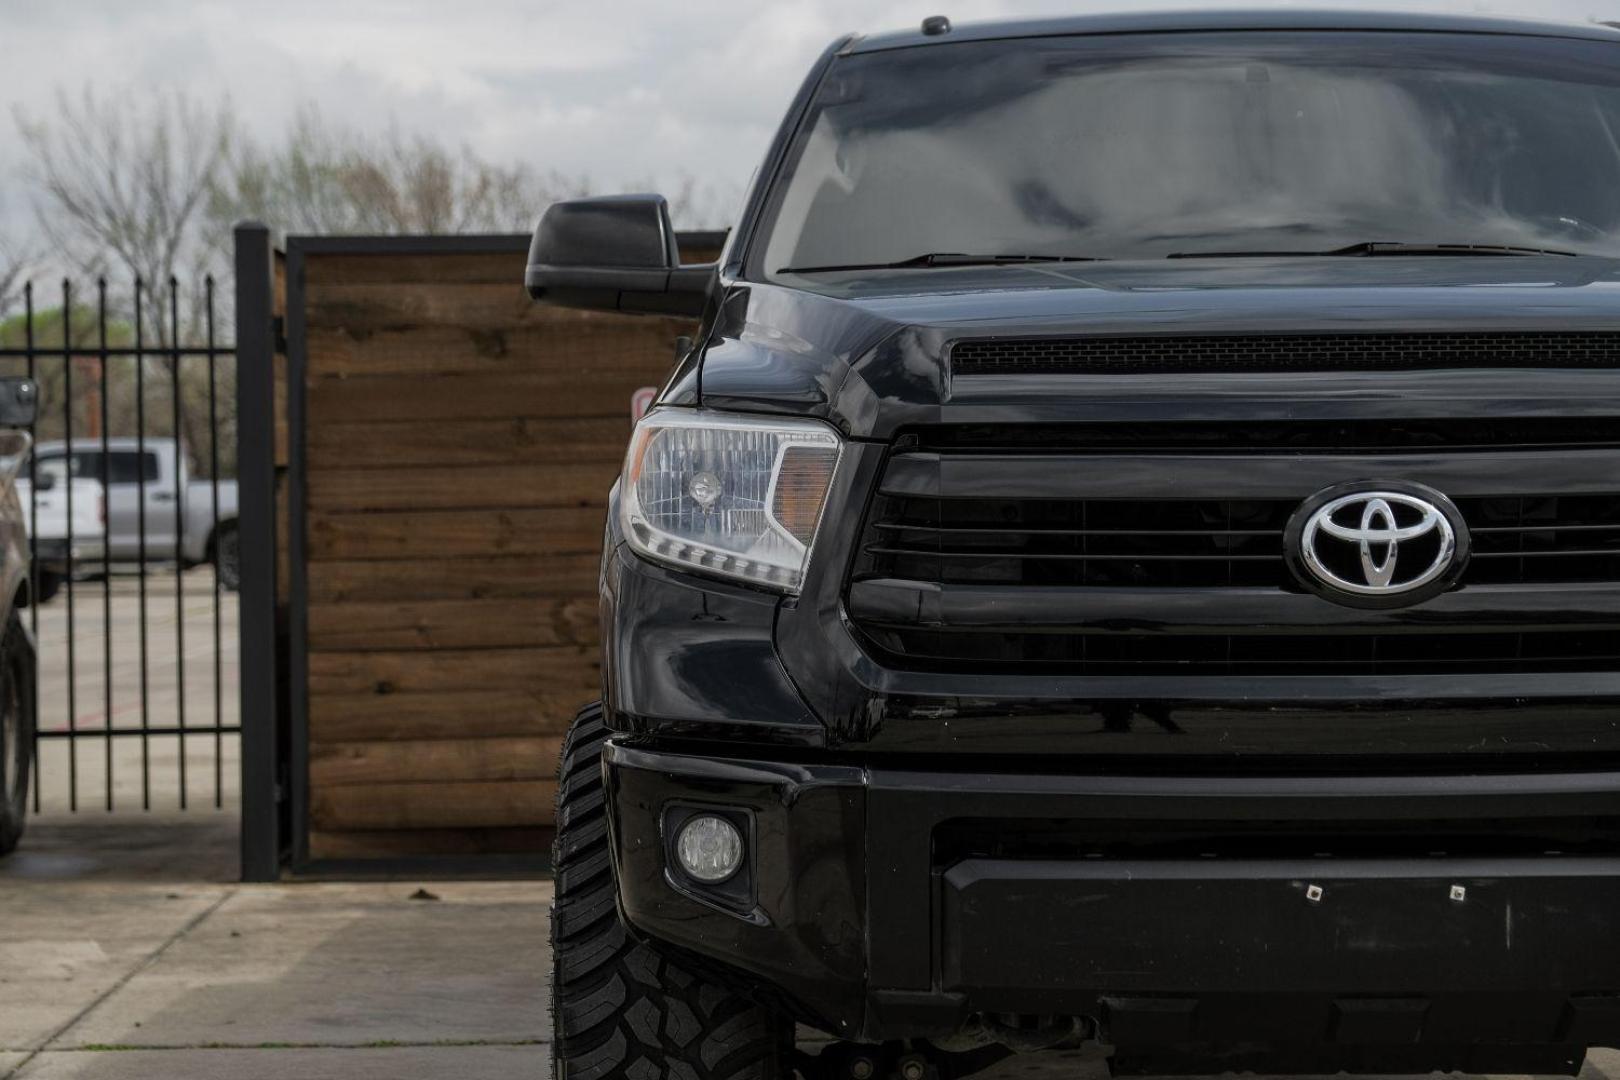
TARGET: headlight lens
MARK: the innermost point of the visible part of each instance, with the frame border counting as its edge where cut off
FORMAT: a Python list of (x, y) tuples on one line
[(729, 495)]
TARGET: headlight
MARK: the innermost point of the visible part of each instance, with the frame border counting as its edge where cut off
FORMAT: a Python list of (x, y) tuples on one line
[(729, 495)]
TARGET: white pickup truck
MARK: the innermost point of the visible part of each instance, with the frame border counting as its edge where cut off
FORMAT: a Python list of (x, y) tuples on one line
[(49, 501), (182, 522)]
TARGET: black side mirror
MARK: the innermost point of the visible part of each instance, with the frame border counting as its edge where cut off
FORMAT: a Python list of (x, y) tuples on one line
[(19, 401), (615, 253), (44, 481)]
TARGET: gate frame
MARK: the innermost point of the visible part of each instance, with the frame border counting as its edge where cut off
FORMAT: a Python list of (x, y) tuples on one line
[(295, 788), (89, 311), (264, 825)]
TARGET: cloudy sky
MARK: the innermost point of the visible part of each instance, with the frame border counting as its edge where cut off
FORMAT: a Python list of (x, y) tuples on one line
[(618, 90)]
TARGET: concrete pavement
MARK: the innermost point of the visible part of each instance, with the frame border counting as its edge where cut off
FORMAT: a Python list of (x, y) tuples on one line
[(189, 675), (390, 1063), (125, 956)]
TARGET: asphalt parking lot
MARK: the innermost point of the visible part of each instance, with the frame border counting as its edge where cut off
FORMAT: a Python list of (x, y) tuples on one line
[(180, 684)]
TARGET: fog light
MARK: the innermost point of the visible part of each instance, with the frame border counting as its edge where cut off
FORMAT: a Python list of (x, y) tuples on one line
[(710, 848)]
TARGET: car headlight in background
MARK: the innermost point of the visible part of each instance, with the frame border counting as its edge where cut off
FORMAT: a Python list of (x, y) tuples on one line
[(731, 495)]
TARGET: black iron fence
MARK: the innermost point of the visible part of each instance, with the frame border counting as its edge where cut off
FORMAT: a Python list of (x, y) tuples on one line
[(131, 513)]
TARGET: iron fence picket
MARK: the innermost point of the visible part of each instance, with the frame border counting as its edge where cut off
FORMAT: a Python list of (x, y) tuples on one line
[(179, 530), (33, 508), (106, 543), (67, 582), (38, 354), (213, 484), (140, 517)]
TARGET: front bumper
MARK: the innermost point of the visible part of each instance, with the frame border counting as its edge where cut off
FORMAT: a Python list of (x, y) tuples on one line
[(57, 554), (883, 912)]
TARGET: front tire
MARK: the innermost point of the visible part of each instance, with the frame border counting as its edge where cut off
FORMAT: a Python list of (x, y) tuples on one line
[(619, 1009), (16, 732), (228, 557), (47, 584)]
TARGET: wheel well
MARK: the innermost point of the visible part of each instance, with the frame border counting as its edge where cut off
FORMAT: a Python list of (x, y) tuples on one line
[(213, 537)]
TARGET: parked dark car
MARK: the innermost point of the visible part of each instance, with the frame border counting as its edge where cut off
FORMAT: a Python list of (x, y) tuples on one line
[(18, 399), (1131, 560)]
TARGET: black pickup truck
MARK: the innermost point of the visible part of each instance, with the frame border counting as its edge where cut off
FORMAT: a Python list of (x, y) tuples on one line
[(1131, 561)]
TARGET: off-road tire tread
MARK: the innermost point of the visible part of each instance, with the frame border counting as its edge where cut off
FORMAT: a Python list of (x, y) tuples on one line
[(230, 576), (621, 1011)]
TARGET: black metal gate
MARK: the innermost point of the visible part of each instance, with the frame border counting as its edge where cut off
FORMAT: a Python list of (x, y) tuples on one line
[(131, 599)]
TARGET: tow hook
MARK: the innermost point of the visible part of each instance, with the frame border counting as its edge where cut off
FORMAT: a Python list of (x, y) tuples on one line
[(914, 1067)]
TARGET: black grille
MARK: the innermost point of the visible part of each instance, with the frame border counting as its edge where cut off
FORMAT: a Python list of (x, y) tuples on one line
[(1090, 542), (1100, 543), (940, 542), (1474, 433), (1536, 539), (1316, 352), (1252, 654)]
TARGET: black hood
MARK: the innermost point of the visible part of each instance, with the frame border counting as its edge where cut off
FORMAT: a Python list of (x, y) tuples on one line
[(868, 350)]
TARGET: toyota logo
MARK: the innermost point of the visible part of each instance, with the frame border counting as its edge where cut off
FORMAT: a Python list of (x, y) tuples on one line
[(1368, 545)]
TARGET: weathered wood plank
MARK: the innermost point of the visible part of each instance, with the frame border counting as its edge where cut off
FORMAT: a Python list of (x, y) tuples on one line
[(568, 672), (564, 530), (453, 624), (434, 760), (278, 282), (495, 804), (598, 350), (454, 714), (461, 442), (385, 844), (372, 306), (497, 268), (469, 442), (543, 392), (693, 254), (463, 577), (470, 487), (282, 437), (364, 308)]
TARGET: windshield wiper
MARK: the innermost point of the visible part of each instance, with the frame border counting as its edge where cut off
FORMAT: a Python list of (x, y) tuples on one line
[(943, 258), (1373, 248)]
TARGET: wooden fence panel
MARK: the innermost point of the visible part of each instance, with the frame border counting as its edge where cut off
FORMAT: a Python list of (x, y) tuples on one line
[(459, 445)]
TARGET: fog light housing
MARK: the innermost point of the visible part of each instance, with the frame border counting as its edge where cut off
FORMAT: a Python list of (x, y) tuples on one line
[(709, 848)]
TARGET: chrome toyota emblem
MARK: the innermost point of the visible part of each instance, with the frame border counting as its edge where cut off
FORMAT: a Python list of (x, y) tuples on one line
[(1367, 545)]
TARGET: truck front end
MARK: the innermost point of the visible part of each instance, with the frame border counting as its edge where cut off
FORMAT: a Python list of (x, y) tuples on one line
[(1133, 559)]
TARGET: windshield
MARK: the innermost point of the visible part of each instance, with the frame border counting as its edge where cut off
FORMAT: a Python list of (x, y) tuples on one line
[(1145, 146)]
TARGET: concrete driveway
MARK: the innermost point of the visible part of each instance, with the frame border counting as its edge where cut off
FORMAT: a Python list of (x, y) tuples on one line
[(125, 952), (179, 683)]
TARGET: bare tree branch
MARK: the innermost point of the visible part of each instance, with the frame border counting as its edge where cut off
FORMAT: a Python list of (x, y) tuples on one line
[(337, 181), (15, 263), (122, 180)]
